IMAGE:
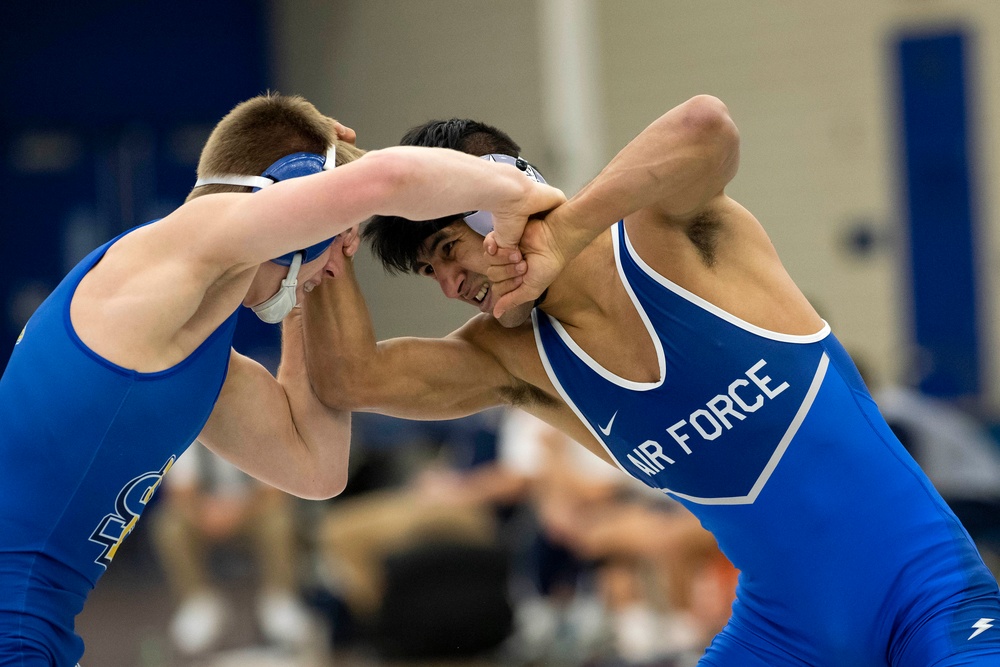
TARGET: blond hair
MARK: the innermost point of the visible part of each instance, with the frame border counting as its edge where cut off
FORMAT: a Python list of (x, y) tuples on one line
[(262, 130)]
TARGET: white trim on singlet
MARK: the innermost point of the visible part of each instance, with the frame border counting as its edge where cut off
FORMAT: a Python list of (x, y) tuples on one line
[(765, 475), (562, 392), (779, 451), (705, 305), (632, 385)]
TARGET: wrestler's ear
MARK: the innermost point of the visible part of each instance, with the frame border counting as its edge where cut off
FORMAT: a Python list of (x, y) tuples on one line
[(352, 241)]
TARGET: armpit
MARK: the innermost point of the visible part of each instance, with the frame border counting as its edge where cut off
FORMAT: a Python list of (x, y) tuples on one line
[(522, 394), (704, 234)]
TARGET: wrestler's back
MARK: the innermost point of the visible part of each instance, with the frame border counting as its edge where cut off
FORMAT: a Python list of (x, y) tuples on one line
[(83, 447)]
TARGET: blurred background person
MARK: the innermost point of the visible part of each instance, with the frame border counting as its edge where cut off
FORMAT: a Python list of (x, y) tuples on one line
[(418, 563), (209, 506), (661, 587)]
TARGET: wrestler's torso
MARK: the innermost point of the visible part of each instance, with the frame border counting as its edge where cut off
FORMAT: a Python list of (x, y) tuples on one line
[(717, 379), (84, 445), (773, 441)]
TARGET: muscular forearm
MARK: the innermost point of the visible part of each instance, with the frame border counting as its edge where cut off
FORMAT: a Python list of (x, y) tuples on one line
[(428, 183), (350, 370), (416, 183), (340, 342)]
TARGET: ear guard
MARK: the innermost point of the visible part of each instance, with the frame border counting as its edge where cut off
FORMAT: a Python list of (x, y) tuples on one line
[(290, 166), (481, 222), (281, 304)]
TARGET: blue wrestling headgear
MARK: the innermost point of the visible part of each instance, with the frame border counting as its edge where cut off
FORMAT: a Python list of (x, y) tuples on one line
[(278, 306), (481, 222), (290, 166)]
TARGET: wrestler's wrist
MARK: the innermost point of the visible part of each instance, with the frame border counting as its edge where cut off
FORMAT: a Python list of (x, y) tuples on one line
[(569, 237)]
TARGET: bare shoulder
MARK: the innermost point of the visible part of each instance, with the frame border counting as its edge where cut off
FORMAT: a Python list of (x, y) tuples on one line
[(532, 390), (509, 346), (154, 296), (203, 233), (514, 349), (724, 255)]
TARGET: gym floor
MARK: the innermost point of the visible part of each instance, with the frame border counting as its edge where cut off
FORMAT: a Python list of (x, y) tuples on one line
[(126, 619)]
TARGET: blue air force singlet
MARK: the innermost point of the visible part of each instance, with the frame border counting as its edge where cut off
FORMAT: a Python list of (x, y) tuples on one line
[(83, 446), (848, 556)]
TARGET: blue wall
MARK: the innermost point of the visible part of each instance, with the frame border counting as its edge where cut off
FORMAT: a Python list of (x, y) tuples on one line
[(105, 106), (934, 85)]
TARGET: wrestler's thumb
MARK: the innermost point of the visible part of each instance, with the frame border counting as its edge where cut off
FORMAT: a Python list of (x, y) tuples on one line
[(512, 299)]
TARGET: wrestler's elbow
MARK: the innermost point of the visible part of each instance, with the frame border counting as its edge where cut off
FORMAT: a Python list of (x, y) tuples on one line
[(322, 484), (706, 119), (707, 114), (333, 483), (322, 472)]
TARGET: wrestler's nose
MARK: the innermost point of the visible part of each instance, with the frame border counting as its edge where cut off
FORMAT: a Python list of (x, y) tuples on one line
[(450, 278)]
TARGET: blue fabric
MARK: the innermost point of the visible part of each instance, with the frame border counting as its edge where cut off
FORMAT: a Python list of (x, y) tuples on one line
[(848, 556), (83, 446)]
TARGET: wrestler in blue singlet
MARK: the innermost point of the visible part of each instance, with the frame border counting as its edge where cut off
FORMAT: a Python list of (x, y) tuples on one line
[(83, 445), (848, 556)]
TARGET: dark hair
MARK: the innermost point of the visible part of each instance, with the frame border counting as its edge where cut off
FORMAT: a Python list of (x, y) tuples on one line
[(395, 241), (461, 134)]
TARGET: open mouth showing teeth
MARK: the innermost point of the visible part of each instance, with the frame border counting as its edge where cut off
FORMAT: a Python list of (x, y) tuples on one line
[(482, 293), (308, 288)]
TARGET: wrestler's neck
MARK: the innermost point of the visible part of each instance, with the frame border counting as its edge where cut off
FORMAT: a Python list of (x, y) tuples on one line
[(585, 286)]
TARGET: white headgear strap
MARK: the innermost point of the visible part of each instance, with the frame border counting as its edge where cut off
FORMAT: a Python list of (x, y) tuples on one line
[(258, 181)]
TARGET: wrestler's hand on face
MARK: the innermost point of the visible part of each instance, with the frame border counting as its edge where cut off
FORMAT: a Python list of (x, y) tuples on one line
[(519, 276), (507, 265), (505, 271), (345, 133)]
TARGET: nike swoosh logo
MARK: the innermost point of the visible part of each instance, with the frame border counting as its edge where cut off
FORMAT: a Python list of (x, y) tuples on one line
[(606, 430)]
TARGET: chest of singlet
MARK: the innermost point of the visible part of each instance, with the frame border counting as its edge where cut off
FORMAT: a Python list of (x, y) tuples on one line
[(727, 404)]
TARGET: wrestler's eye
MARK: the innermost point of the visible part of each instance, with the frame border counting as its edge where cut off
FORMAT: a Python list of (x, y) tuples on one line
[(425, 270), (447, 249)]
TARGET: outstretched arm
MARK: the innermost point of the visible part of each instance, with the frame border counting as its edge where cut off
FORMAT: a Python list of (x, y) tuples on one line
[(280, 432), (413, 182), (676, 167), (414, 378)]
